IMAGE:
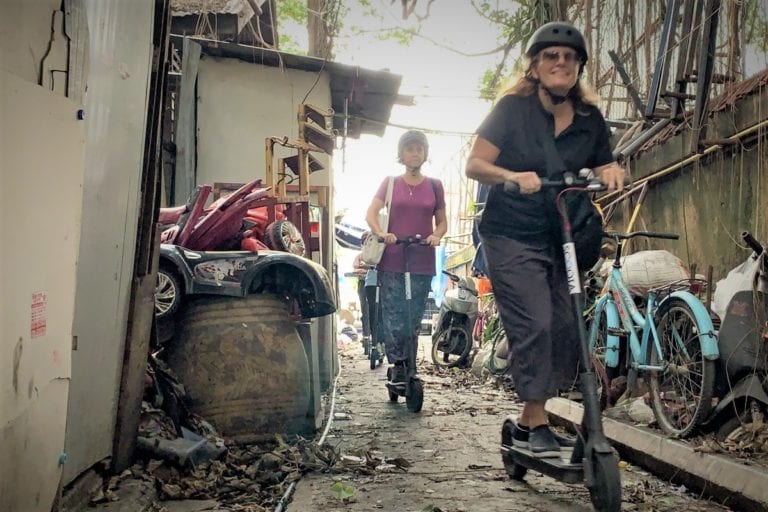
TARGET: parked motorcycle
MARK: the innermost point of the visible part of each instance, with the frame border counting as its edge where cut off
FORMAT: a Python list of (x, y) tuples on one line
[(741, 381), (452, 338)]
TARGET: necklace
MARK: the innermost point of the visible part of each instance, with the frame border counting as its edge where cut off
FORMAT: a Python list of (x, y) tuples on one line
[(410, 189)]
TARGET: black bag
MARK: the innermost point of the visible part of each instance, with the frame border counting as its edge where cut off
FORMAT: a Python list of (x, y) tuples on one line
[(586, 221)]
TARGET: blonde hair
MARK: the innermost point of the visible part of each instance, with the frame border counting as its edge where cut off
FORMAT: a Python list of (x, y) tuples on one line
[(524, 84)]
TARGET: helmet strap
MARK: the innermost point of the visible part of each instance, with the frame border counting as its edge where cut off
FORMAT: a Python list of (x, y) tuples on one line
[(557, 99)]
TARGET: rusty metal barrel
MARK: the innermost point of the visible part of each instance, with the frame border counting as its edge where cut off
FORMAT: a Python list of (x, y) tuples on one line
[(243, 365)]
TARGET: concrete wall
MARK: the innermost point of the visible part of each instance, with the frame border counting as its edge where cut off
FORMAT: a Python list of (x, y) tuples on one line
[(116, 105), (240, 104), (712, 200)]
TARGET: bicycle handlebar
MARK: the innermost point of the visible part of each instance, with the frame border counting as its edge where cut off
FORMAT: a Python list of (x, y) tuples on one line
[(452, 276), (752, 243), (648, 234)]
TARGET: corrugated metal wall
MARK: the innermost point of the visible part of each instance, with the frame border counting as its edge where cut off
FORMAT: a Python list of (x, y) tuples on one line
[(115, 105)]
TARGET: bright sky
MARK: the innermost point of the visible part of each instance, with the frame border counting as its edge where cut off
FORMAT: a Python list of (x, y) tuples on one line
[(446, 86)]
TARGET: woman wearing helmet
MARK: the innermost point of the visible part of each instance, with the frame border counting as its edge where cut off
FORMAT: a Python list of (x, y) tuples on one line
[(417, 208), (520, 232)]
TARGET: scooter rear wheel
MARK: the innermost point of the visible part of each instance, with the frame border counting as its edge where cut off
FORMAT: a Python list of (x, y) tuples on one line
[(606, 491), (415, 399), (514, 471)]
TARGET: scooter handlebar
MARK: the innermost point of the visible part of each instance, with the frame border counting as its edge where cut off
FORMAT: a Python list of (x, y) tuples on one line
[(409, 240), (587, 184)]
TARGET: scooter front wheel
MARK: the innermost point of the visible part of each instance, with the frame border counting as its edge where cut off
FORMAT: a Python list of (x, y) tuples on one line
[(415, 399), (605, 491)]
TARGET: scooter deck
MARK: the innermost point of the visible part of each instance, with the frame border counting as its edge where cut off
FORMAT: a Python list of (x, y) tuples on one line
[(398, 388), (558, 468)]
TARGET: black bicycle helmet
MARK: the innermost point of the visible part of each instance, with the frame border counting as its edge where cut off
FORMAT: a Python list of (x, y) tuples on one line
[(413, 136), (557, 33)]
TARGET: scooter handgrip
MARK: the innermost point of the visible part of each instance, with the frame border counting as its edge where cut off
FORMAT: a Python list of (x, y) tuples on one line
[(511, 187), (752, 243)]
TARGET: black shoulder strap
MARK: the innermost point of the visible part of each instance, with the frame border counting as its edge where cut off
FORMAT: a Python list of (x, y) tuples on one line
[(554, 163)]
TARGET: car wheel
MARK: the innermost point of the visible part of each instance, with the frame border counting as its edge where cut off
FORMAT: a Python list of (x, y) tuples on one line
[(167, 293)]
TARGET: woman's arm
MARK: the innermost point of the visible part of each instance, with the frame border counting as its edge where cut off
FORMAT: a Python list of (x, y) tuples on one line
[(481, 167), (441, 227)]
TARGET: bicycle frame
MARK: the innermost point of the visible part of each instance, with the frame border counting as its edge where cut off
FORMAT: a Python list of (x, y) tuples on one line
[(620, 308)]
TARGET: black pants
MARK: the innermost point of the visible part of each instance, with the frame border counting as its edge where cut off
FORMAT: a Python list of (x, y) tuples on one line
[(531, 291), (395, 311)]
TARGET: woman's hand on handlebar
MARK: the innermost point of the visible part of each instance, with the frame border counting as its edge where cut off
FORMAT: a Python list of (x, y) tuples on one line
[(528, 182), (612, 175), (388, 238), (432, 241)]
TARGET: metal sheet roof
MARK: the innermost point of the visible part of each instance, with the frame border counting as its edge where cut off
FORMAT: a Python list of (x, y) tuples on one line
[(190, 7)]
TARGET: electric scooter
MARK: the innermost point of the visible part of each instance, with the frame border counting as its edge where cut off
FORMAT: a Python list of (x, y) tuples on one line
[(413, 387), (592, 461)]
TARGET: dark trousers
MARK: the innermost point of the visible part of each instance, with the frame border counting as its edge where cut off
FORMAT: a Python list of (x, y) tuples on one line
[(395, 328), (531, 291)]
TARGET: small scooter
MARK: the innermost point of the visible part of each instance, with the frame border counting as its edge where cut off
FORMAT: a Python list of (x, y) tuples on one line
[(413, 387), (742, 368), (592, 461), (452, 340)]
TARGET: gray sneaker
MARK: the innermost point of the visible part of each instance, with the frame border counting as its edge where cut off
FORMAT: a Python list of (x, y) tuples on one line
[(542, 443), (521, 434), (396, 374)]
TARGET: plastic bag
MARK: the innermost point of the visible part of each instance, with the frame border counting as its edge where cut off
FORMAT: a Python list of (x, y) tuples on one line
[(644, 270)]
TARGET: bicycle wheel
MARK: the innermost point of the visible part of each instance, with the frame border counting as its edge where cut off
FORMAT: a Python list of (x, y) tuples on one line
[(682, 393), (499, 336)]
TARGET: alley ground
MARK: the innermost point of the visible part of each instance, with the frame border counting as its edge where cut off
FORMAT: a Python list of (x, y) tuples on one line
[(445, 458)]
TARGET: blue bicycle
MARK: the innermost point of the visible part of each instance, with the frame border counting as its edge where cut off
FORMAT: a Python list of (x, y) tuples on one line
[(671, 343)]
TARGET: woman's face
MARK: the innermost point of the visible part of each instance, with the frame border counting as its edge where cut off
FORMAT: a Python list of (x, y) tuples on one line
[(413, 155), (557, 68)]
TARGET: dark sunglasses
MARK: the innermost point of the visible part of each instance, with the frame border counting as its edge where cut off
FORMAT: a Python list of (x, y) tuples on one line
[(554, 56)]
